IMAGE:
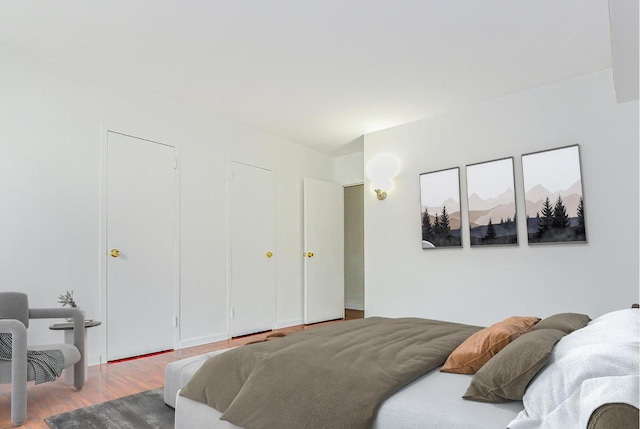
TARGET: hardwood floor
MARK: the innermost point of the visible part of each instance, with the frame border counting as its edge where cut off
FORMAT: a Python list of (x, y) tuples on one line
[(112, 381), (350, 314)]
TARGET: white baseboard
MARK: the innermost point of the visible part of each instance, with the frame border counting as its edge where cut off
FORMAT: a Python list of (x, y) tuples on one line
[(93, 360), (286, 324), (192, 342), (354, 305)]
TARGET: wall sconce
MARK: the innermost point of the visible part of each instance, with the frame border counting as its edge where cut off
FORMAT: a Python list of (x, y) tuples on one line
[(381, 194), (380, 170)]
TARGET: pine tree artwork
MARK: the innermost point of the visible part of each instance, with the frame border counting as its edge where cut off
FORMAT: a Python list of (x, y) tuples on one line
[(580, 213), (491, 232), (445, 228), (436, 225), (440, 195), (553, 196), (560, 217), (426, 226), (581, 227), (491, 195), (546, 220)]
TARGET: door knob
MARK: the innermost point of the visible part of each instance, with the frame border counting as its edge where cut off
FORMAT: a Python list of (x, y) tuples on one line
[(308, 254), (115, 253), (269, 254)]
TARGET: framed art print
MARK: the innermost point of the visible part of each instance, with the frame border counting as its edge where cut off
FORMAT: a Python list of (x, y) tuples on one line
[(492, 203), (553, 196), (440, 208)]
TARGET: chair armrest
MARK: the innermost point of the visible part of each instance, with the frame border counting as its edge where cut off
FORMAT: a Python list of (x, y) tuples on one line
[(78, 334), (55, 313), (18, 337), (18, 367)]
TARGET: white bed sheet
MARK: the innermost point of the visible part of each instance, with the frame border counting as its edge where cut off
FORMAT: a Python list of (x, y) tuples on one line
[(434, 401)]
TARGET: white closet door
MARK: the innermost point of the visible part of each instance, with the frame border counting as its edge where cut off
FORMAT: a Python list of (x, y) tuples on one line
[(324, 251), (141, 234), (252, 253)]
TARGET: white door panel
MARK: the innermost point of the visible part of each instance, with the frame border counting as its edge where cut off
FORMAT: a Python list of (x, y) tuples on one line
[(324, 239), (251, 239), (141, 225)]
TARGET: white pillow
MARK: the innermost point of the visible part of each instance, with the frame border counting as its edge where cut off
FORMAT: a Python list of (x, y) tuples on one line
[(614, 327), (602, 356)]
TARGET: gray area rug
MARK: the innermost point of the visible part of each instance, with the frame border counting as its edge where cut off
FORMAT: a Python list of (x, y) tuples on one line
[(145, 410)]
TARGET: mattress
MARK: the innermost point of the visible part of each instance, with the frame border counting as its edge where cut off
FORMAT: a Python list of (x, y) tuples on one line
[(177, 374), (433, 401)]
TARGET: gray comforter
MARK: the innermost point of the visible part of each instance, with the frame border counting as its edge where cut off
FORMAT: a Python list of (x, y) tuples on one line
[(333, 376)]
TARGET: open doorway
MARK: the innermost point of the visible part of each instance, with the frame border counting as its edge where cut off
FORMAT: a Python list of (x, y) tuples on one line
[(354, 251)]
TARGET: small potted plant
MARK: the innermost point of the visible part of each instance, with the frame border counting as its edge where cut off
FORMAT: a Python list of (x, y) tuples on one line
[(67, 299)]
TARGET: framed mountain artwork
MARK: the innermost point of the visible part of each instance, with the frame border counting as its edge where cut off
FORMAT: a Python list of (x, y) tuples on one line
[(440, 209), (553, 196), (492, 203)]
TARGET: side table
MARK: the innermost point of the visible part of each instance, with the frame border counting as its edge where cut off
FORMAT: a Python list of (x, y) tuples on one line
[(68, 339)]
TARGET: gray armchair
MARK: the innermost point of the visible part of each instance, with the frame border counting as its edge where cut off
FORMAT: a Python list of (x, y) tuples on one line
[(14, 319)]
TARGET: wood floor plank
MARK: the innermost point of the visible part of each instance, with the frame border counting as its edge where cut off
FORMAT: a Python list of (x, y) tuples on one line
[(112, 381)]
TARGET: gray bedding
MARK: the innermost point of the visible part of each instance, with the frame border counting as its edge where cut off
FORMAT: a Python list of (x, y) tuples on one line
[(334, 376)]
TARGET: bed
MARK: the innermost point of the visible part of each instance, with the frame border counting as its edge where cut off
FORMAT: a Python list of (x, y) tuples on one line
[(591, 371)]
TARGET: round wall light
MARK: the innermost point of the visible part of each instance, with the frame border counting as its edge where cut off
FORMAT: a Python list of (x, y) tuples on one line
[(380, 170)]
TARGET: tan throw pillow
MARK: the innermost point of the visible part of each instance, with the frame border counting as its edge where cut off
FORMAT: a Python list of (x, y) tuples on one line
[(506, 376), (476, 350)]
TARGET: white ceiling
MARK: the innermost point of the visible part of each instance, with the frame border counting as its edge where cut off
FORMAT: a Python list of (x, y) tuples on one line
[(319, 73)]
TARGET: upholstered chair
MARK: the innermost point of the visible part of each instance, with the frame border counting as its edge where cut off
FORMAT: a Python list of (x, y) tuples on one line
[(14, 319)]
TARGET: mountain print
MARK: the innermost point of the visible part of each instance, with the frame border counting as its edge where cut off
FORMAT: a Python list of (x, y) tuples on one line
[(497, 223), (555, 216), (492, 204), (440, 209), (480, 204), (441, 229), (553, 196), (534, 198)]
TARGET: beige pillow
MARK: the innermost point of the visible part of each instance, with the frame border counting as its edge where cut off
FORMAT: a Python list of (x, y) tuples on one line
[(476, 350), (565, 322), (506, 376)]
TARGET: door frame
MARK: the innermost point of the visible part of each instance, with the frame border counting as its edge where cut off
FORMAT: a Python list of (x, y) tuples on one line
[(229, 240), (102, 240), (364, 292)]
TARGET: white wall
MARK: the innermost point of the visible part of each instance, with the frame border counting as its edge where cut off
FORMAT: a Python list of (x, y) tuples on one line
[(349, 169), (51, 120), (484, 285)]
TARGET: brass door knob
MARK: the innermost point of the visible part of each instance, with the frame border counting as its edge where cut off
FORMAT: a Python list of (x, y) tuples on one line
[(269, 254), (308, 254), (115, 253)]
